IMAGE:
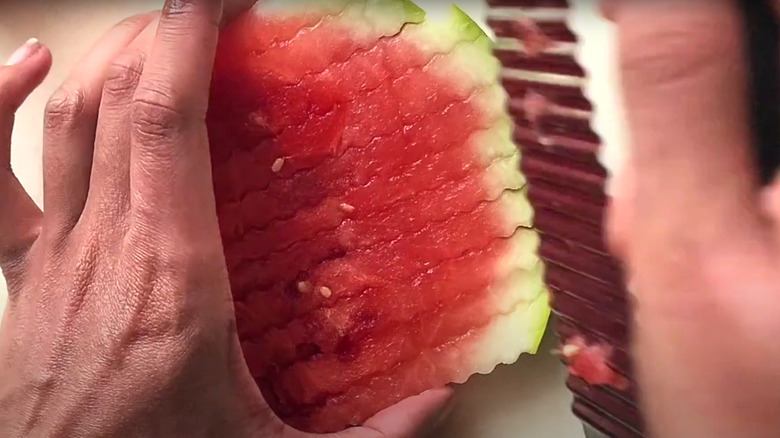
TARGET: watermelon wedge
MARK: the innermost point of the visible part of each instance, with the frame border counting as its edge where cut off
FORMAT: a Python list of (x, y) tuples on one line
[(375, 220)]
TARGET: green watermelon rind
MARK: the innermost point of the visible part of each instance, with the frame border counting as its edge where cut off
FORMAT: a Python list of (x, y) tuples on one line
[(540, 310), (414, 13), (470, 29)]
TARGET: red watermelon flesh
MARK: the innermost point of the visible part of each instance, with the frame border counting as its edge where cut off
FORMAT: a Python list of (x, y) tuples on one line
[(374, 216)]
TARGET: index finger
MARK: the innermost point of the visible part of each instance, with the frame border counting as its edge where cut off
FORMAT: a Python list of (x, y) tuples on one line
[(170, 166)]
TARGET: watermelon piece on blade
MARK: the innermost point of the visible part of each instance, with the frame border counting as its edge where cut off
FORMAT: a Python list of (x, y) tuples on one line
[(375, 220)]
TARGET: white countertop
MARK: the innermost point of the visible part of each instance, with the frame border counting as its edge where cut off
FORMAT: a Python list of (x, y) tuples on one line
[(527, 399)]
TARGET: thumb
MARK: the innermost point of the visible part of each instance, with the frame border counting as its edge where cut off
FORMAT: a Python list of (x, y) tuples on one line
[(413, 417)]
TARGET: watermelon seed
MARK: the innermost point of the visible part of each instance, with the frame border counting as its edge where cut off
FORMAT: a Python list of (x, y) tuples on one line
[(326, 292), (277, 166), (346, 208), (304, 287)]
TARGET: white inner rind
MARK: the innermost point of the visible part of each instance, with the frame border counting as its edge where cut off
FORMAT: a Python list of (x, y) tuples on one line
[(597, 54)]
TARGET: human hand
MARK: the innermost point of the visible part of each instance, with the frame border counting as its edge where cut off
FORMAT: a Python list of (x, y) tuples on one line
[(698, 235), (120, 320)]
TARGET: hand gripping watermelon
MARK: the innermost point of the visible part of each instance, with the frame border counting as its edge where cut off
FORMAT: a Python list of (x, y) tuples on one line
[(373, 212)]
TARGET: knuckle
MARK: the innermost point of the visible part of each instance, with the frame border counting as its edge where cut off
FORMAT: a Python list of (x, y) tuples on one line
[(685, 46), (155, 118), (64, 109), (123, 75)]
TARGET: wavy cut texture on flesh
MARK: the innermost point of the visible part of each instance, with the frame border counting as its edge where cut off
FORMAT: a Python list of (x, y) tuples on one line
[(376, 223)]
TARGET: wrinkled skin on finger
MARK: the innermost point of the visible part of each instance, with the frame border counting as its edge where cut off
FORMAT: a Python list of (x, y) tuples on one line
[(120, 319), (698, 234)]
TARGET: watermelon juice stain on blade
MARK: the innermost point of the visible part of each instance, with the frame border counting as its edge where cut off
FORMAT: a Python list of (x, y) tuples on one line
[(313, 108)]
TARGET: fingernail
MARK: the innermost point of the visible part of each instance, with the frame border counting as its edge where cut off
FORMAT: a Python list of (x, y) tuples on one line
[(24, 52)]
